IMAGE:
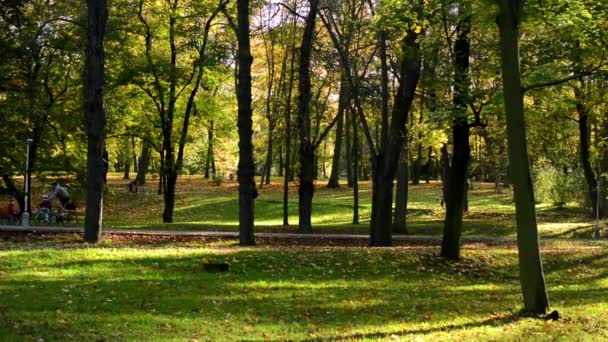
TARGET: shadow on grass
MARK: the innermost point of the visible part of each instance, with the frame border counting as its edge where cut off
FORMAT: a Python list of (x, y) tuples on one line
[(500, 320), (328, 289)]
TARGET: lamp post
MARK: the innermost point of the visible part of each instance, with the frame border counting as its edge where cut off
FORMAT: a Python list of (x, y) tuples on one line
[(26, 212)]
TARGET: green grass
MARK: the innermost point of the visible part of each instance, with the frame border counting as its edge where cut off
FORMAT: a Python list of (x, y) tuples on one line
[(202, 206), (295, 293)]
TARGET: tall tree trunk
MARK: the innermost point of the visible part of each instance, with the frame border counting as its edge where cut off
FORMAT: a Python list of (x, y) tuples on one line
[(429, 165), (281, 166), (210, 159), (386, 162), (288, 157), (127, 170), (400, 219), (584, 136), (95, 117), (106, 163), (457, 181), (531, 274), (445, 173), (355, 172), (349, 151), (335, 165), (134, 154), (307, 153), (246, 172), (603, 180), (144, 163), (418, 162), (268, 164)]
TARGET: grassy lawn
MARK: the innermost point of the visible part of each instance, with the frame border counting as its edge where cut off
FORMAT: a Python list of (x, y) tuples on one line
[(294, 293), (202, 206)]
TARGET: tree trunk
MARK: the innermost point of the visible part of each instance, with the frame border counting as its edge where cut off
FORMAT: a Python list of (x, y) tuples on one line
[(429, 165), (144, 163), (334, 177), (106, 162), (288, 157), (169, 183), (349, 150), (210, 159), (583, 130), (355, 172), (306, 189), (95, 117), (246, 171), (134, 160), (400, 219), (127, 172), (530, 264), (281, 166), (417, 163), (457, 181), (386, 161)]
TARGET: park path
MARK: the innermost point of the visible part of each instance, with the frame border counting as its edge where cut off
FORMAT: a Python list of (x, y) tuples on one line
[(235, 235), (329, 236)]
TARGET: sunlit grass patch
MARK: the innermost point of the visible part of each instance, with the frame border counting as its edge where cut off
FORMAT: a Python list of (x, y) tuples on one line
[(297, 293)]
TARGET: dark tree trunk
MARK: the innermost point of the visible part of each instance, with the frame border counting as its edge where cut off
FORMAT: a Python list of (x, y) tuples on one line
[(583, 130), (347, 142), (355, 172), (210, 160), (603, 180), (307, 153), (429, 165), (246, 172), (417, 163), (288, 157), (281, 166), (127, 172), (134, 160), (386, 161), (95, 117), (457, 181), (401, 196), (400, 219), (335, 165), (531, 273), (445, 173), (161, 174), (106, 163), (144, 163)]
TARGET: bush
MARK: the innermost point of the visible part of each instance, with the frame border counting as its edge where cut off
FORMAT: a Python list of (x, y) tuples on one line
[(557, 187)]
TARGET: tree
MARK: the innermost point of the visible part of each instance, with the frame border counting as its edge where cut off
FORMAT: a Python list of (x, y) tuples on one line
[(457, 182), (247, 191), (95, 118), (165, 78), (530, 264)]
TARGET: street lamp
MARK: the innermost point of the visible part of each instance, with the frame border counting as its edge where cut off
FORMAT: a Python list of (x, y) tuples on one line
[(26, 212)]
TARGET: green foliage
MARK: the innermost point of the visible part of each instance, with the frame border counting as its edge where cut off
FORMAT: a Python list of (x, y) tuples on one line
[(554, 186)]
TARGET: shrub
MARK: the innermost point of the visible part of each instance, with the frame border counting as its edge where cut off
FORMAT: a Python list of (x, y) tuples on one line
[(557, 187)]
